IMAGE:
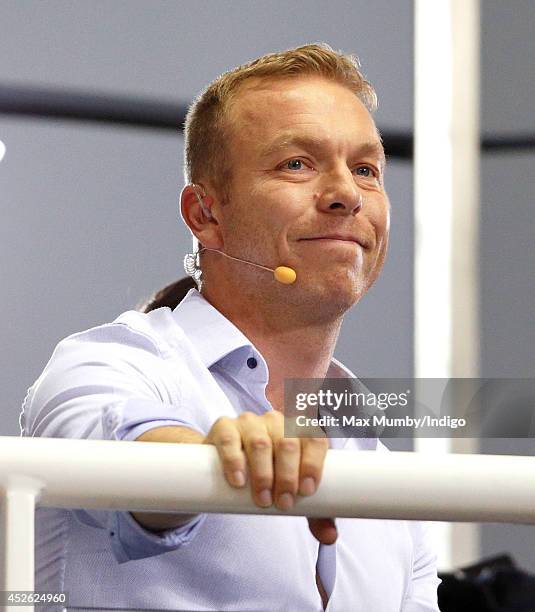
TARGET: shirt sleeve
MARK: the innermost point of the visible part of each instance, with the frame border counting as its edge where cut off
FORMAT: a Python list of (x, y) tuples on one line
[(110, 383), (422, 595)]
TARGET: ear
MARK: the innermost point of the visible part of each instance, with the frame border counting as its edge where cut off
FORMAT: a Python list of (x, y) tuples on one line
[(205, 229)]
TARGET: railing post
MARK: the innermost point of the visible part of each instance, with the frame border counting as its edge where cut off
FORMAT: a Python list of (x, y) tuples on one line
[(17, 524)]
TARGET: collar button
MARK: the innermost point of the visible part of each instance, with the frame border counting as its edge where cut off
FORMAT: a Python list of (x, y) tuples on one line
[(252, 363)]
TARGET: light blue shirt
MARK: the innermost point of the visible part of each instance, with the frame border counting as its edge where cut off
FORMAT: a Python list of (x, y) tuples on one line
[(189, 367)]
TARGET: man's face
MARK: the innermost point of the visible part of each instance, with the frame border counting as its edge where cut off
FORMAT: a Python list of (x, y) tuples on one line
[(307, 190)]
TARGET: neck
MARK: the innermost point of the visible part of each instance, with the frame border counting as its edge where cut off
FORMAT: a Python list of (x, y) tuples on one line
[(295, 339)]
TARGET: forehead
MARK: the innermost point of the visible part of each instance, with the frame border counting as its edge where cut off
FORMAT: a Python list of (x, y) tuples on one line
[(265, 109)]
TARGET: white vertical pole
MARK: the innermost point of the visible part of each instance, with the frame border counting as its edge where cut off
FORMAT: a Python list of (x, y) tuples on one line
[(17, 521), (446, 183), (465, 238)]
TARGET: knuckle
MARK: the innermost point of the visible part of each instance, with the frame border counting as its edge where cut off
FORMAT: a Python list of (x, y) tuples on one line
[(222, 423), (226, 439), (260, 443), (247, 417), (289, 445)]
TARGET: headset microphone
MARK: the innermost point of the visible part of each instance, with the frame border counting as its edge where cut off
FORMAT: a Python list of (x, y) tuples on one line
[(283, 274)]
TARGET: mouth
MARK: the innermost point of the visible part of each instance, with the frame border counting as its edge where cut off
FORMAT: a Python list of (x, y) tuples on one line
[(336, 238)]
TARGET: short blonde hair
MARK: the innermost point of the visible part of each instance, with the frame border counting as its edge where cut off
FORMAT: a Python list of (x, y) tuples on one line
[(207, 129)]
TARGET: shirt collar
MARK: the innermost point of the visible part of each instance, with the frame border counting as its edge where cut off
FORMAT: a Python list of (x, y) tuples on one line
[(215, 337), (211, 333)]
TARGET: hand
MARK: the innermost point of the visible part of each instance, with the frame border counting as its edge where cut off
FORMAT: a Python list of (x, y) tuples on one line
[(279, 468)]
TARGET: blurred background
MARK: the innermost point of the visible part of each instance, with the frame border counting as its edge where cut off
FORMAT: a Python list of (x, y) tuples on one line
[(90, 219)]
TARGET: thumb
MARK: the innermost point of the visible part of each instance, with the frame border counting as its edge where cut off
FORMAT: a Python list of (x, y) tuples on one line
[(323, 529)]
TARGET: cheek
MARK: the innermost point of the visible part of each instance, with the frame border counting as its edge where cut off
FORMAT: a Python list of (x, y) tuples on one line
[(248, 228), (278, 211), (380, 217), (267, 215)]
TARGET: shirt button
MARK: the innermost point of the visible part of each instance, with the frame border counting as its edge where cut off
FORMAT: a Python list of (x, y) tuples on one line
[(252, 363)]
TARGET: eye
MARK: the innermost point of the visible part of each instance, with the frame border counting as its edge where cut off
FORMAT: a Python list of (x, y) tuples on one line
[(365, 171), (296, 168), (294, 164)]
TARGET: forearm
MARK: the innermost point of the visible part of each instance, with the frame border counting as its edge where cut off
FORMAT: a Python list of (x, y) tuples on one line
[(156, 521)]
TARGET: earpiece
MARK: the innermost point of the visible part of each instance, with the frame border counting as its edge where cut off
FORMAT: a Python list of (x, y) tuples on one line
[(204, 208)]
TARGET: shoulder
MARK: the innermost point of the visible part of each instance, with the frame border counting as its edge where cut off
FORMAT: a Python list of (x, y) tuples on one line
[(134, 344), (151, 333), (129, 356), (157, 327)]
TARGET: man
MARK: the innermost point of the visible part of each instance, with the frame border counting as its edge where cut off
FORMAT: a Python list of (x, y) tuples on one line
[(284, 167)]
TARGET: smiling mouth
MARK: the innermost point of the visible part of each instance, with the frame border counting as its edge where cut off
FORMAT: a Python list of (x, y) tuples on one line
[(334, 240)]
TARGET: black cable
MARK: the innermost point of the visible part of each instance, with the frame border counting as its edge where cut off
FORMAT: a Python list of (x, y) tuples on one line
[(64, 104)]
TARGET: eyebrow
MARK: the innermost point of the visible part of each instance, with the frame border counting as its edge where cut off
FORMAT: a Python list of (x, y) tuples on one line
[(372, 148)]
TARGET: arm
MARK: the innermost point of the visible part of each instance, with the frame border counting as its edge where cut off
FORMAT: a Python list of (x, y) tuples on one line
[(111, 383), (159, 521)]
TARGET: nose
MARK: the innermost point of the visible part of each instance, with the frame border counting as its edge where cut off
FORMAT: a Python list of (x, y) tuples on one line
[(340, 194)]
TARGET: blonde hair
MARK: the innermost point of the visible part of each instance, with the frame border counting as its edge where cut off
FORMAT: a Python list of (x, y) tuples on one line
[(207, 126)]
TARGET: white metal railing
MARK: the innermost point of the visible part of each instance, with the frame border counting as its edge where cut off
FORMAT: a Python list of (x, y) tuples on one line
[(138, 476)]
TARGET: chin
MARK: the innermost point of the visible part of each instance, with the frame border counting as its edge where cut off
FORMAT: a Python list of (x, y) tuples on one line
[(344, 296), (337, 295)]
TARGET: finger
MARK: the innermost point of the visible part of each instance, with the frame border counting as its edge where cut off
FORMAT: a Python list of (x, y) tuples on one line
[(324, 530), (287, 461), (258, 449), (225, 436), (313, 453)]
